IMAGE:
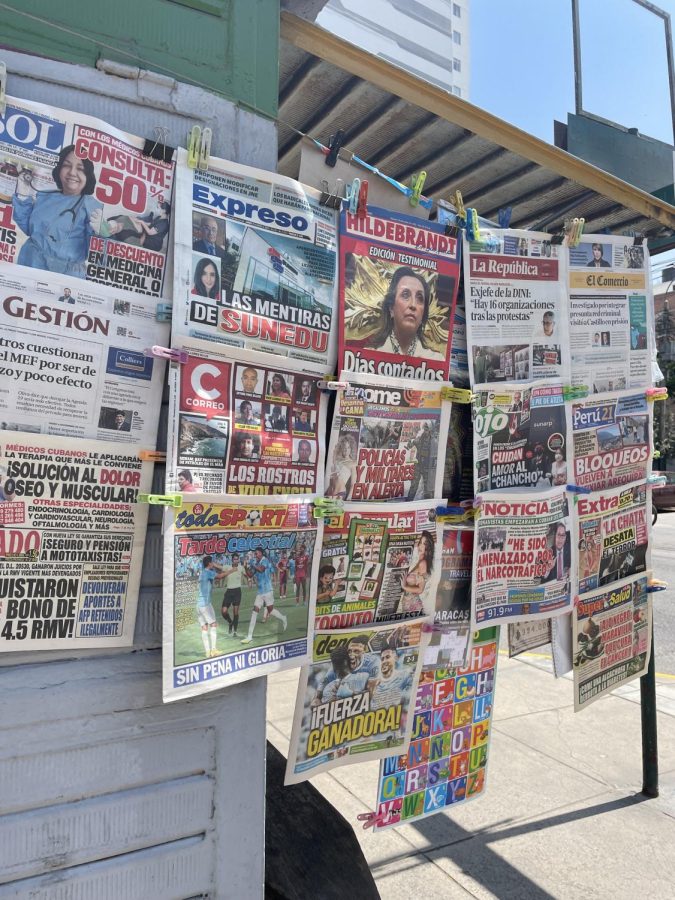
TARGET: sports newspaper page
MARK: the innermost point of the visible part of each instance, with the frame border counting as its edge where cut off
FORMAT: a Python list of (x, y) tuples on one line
[(379, 563), (524, 557), (387, 440), (255, 263), (71, 542), (236, 590), (72, 359), (242, 422), (611, 439), (612, 535), (516, 307), (520, 436), (612, 638), (79, 198), (452, 615), (398, 289), (356, 697), (446, 762), (610, 313)]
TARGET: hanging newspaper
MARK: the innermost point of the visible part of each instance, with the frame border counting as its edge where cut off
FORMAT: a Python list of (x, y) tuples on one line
[(71, 542), (236, 590), (612, 639), (520, 436), (387, 440), (516, 310), (379, 563), (452, 615), (73, 361), (398, 289), (612, 535), (524, 557), (611, 440), (446, 762), (458, 468), (255, 263), (610, 313), (529, 634), (241, 424), (79, 198), (355, 698), (459, 359)]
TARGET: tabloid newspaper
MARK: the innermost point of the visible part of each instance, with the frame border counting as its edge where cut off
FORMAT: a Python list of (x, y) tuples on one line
[(236, 590), (387, 440), (452, 615), (529, 634), (78, 198), (524, 557), (72, 359), (458, 467), (612, 638), (459, 360), (242, 422), (378, 563), (520, 436), (355, 698), (611, 439), (516, 309), (612, 535), (255, 262), (446, 762), (610, 313), (71, 542), (398, 289)]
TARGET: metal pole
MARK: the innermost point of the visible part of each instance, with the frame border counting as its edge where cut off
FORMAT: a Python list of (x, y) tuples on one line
[(650, 748), (576, 40)]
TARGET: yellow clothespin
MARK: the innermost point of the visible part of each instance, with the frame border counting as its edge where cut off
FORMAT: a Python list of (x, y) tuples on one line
[(175, 500), (416, 185), (474, 224), (657, 393), (193, 146), (205, 149), (459, 205), (456, 395)]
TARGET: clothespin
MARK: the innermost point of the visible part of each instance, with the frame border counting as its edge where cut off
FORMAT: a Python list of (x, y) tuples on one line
[(327, 507), (163, 312), (362, 207), (656, 393), (179, 356), (574, 391), (455, 514), (504, 217), (576, 230), (157, 456), (656, 454), (428, 627), (475, 227), (470, 234), (193, 146), (3, 88), (157, 148), (416, 185), (333, 150), (577, 489), (371, 819), (656, 584), (352, 195), (559, 236), (328, 385), (459, 205), (655, 480), (175, 500), (638, 239), (456, 395), (205, 149)]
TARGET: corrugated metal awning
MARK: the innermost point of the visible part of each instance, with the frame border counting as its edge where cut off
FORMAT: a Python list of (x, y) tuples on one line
[(401, 124)]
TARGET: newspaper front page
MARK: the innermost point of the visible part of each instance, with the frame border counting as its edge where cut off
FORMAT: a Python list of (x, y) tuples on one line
[(446, 762), (398, 288), (388, 440), (72, 359), (379, 562), (612, 630), (516, 308), (242, 422), (236, 590), (452, 615), (71, 542), (524, 557), (255, 263), (356, 697), (79, 198), (529, 634), (610, 313)]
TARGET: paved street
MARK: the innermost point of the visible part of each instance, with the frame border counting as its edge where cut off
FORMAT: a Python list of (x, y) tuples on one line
[(663, 567)]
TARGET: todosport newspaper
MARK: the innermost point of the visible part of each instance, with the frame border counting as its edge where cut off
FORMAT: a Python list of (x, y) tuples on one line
[(388, 440), (398, 290), (355, 698), (79, 198), (71, 542), (523, 557), (237, 602), (72, 354), (255, 262), (242, 422)]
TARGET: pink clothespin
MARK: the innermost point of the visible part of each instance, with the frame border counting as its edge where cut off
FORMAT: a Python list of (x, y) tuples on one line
[(372, 819)]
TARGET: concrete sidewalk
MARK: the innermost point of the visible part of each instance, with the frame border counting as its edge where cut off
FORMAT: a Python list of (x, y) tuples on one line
[(561, 817)]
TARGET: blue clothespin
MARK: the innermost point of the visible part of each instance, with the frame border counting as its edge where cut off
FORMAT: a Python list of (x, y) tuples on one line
[(352, 195), (504, 217), (578, 489)]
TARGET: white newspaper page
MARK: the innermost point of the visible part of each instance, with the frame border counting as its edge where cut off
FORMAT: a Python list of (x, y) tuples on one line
[(452, 615), (72, 359), (255, 262), (529, 634), (524, 557), (242, 422), (232, 609), (610, 312), (388, 440), (516, 307), (71, 542)]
